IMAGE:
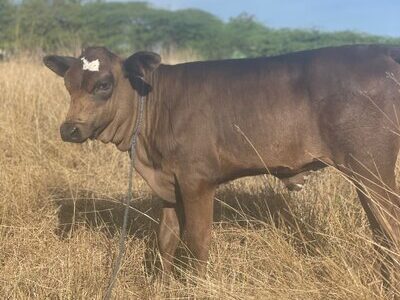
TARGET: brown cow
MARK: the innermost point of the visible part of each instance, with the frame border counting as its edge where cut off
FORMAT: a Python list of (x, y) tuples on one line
[(210, 122)]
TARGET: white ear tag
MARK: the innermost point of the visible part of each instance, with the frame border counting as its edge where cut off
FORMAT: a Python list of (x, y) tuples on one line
[(92, 66)]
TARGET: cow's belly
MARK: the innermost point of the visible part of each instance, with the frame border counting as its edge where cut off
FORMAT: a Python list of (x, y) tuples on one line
[(283, 156)]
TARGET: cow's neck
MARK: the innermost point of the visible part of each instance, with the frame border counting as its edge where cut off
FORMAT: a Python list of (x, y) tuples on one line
[(120, 131), (126, 125)]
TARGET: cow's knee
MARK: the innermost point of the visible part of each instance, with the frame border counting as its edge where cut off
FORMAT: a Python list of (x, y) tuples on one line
[(198, 238)]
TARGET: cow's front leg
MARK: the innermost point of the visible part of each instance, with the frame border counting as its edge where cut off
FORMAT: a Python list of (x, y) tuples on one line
[(169, 234), (197, 199)]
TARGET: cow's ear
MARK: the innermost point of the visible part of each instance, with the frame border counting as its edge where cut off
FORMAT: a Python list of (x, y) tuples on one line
[(59, 64), (138, 66)]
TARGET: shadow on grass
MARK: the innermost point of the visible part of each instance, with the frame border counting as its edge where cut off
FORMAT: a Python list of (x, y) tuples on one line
[(233, 206), (105, 214)]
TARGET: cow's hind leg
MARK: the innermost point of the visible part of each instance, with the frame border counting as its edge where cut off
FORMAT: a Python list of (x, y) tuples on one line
[(374, 177)]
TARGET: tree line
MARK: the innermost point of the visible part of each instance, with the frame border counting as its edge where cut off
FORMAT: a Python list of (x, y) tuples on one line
[(55, 25)]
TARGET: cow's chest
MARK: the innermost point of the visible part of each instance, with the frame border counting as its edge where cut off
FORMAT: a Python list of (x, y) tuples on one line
[(162, 183)]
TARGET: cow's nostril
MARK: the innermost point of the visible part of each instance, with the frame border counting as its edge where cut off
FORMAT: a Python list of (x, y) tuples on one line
[(74, 131)]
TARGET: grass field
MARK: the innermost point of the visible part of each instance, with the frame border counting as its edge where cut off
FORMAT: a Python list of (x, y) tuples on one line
[(60, 216)]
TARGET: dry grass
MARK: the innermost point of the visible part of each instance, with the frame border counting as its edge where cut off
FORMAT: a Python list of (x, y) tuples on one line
[(60, 214)]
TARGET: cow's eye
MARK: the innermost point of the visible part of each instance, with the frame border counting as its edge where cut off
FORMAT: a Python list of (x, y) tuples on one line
[(103, 86)]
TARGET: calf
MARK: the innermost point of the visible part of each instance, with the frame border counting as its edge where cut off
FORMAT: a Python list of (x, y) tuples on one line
[(206, 123)]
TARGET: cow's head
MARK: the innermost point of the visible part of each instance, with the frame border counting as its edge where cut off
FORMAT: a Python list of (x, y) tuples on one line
[(103, 89)]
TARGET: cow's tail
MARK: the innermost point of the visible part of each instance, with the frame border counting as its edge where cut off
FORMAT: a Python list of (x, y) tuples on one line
[(394, 53)]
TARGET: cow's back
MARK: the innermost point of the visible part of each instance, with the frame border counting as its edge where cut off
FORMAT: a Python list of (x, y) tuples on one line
[(281, 110)]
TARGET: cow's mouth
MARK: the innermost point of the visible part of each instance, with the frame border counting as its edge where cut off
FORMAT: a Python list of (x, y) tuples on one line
[(94, 135), (97, 132)]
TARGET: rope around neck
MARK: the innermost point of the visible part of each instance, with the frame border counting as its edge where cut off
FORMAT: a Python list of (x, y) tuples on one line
[(122, 245)]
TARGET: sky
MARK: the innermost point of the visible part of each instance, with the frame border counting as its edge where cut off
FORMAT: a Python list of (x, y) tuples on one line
[(380, 17)]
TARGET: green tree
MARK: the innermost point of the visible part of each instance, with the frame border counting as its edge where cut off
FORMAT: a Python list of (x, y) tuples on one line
[(65, 25), (111, 24), (190, 28), (7, 23), (246, 36), (46, 25)]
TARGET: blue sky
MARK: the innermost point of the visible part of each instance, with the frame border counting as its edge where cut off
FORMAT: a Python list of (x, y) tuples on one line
[(377, 17)]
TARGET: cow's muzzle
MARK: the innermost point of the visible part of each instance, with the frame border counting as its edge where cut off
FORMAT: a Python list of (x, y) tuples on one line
[(72, 132)]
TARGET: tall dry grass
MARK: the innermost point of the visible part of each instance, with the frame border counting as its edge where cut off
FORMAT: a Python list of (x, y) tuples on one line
[(60, 211)]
